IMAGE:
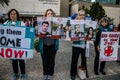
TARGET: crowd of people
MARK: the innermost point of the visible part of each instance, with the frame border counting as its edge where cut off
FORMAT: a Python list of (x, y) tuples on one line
[(48, 47)]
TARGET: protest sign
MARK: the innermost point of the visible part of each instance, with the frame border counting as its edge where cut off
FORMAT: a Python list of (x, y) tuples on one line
[(83, 29), (16, 42), (109, 46)]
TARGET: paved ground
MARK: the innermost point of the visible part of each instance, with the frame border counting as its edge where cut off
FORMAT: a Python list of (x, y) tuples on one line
[(62, 67)]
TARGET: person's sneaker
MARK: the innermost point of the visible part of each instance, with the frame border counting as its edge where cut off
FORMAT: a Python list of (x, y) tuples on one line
[(103, 73), (15, 77), (45, 77), (23, 77), (50, 77)]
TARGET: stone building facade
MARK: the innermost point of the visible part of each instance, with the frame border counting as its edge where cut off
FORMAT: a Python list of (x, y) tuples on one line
[(112, 11), (32, 7)]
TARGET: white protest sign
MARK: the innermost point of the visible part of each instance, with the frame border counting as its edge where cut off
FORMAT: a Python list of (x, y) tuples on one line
[(16, 42), (109, 46)]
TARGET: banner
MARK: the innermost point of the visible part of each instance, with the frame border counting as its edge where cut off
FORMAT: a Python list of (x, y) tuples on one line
[(57, 27), (109, 46), (16, 42), (51, 27), (82, 30)]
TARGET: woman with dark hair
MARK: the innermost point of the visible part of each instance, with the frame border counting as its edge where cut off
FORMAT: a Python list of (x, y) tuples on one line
[(103, 27), (14, 20)]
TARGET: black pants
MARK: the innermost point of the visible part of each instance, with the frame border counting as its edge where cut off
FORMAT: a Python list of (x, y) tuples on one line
[(75, 55), (15, 66), (48, 59), (96, 62)]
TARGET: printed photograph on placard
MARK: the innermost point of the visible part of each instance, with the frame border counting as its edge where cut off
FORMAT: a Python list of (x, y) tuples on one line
[(77, 28), (44, 25), (90, 28), (59, 24)]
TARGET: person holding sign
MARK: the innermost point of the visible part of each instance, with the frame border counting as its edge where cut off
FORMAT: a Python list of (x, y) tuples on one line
[(103, 27), (14, 20), (48, 48), (77, 48)]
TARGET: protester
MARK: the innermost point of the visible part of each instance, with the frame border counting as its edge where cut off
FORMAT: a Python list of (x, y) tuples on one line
[(48, 48), (103, 27), (14, 20), (28, 23), (78, 47)]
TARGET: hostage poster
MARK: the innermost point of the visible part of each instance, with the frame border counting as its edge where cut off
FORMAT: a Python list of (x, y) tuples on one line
[(82, 30), (109, 46), (16, 42), (59, 25), (44, 26)]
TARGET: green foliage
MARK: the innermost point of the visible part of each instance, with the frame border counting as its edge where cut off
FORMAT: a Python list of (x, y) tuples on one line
[(97, 11), (84, 8), (4, 2), (55, 26)]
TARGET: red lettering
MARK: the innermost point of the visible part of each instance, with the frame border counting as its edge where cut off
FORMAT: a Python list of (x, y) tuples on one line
[(18, 53), (8, 53), (104, 35), (2, 52), (105, 43), (114, 35)]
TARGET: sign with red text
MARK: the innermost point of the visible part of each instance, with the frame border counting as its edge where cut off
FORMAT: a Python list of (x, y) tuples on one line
[(16, 42), (109, 46)]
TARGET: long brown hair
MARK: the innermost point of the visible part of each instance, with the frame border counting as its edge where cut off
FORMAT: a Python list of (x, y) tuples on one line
[(45, 15), (18, 16)]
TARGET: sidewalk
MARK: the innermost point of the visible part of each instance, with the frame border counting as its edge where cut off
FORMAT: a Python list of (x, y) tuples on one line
[(62, 67)]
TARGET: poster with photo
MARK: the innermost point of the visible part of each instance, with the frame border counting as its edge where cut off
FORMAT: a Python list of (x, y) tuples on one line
[(59, 25), (77, 29), (109, 46), (44, 26), (82, 29), (90, 28)]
